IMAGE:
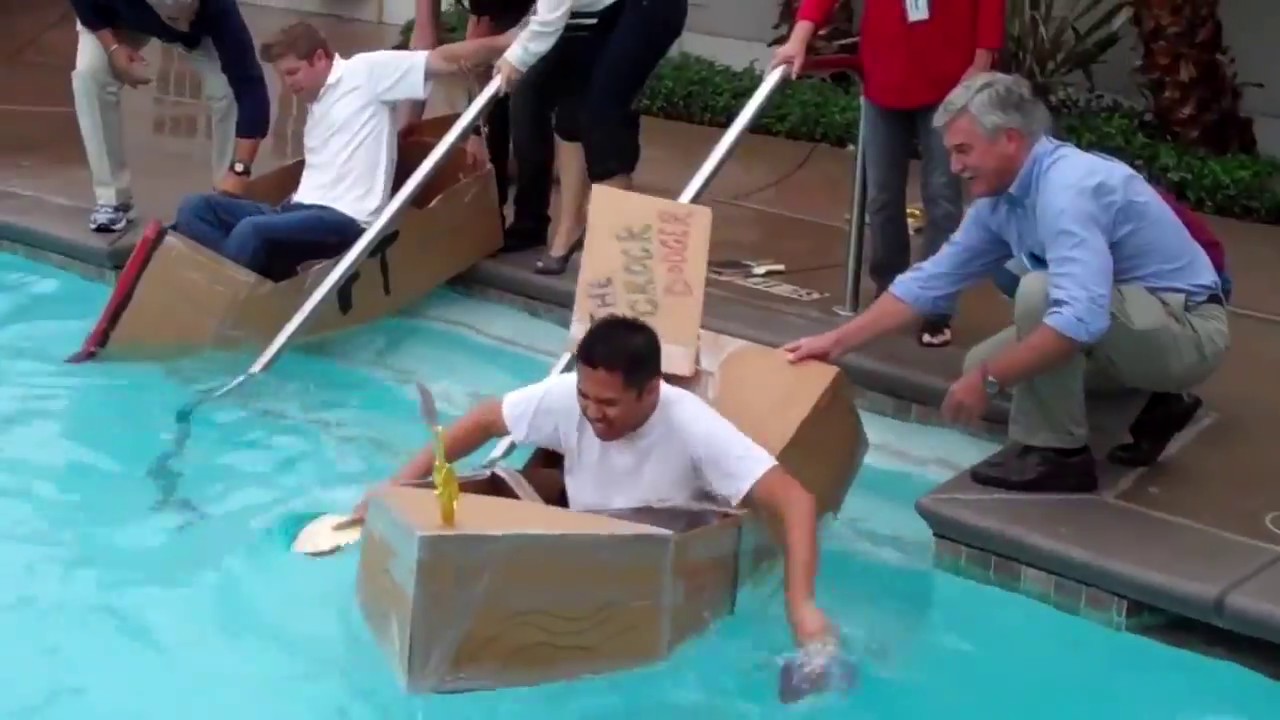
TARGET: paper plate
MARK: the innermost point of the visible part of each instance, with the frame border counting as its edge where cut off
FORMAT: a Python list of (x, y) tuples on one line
[(327, 534)]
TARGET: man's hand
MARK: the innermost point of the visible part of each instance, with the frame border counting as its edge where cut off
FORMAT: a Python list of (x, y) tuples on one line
[(792, 53), (967, 399), (508, 74), (127, 65), (232, 184), (824, 347), (982, 62), (477, 152), (809, 625)]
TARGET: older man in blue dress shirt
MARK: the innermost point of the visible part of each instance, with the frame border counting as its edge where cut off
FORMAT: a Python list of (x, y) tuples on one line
[(1119, 294)]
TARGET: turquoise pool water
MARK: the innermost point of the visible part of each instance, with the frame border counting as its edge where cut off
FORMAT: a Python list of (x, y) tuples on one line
[(111, 611)]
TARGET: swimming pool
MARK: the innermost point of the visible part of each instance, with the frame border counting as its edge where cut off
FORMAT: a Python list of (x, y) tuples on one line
[(112, 611)]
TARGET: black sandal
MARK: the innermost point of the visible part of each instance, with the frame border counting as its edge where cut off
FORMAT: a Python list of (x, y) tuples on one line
[(550, 264), (935, 332)]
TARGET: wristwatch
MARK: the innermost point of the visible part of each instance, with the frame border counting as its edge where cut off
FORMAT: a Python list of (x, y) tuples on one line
[(990, 384), (241, 168)]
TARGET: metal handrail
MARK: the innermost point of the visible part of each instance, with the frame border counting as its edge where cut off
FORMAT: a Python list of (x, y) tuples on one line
[(857, 223), (705, 173)]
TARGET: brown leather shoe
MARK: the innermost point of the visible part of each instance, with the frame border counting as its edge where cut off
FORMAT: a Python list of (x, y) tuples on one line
[(1161, 419)]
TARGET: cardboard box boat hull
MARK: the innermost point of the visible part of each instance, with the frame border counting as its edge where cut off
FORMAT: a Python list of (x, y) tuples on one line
[(518, 593), (189, 299)]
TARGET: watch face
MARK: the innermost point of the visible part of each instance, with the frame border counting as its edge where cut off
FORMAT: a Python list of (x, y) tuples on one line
[(993, 387), (239, 168)]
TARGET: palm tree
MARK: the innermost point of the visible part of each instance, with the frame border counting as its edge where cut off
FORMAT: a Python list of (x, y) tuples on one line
[(1190, 76)]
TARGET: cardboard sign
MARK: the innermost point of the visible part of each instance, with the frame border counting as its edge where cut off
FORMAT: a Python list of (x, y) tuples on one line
[(645, 257)]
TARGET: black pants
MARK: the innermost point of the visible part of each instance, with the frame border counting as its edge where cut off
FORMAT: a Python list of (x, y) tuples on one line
[(584, 90), (506, 14)]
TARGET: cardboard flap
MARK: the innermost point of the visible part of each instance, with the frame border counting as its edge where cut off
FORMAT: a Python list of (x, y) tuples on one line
[(419, 509), (645, 257), (767, 396)]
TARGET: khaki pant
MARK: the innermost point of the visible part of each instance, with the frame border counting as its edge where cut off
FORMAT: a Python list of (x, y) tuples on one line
[(97, 100), (1155, 343)]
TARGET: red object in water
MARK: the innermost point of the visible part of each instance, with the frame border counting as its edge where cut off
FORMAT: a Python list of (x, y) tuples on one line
[(123, 292)]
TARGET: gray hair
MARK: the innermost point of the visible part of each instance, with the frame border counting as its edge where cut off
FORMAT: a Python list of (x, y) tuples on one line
[(997, 102)]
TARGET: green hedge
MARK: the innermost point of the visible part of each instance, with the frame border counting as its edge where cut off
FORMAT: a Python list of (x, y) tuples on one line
[(690, 88), (697, 90)]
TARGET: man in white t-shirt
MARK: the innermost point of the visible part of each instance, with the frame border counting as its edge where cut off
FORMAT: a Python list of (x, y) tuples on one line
[(630, 439), (349, 151)]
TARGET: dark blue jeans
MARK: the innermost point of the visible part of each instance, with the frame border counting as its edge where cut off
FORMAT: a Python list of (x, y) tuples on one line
[(270, 241)]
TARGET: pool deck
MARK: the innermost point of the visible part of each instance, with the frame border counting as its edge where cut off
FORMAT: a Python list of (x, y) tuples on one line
[(1197, 537)]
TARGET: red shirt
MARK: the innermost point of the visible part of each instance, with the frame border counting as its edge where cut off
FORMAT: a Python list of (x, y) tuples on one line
[(1199, 229), (908, 66)]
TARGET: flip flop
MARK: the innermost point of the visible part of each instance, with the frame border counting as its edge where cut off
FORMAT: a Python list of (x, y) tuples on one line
[(935, 333)]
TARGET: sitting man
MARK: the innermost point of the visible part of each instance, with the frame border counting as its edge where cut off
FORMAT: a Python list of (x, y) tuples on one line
[(631, 440), (349, 145), (1123, 292)]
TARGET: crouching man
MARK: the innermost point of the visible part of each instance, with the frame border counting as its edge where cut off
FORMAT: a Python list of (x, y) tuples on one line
[(1120, 296), (631, 440), (349, 151)]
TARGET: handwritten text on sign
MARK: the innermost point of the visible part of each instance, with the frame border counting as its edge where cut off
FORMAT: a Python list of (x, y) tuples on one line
[(654, 265)]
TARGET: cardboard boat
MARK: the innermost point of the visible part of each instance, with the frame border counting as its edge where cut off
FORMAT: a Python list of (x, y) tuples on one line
[(174, 297), (519, 593)]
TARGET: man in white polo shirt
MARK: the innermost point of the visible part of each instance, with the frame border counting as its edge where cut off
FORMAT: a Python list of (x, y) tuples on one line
[(631, 440), (349, 150)]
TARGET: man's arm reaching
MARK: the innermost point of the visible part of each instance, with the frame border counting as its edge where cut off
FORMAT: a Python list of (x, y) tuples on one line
[(793, 516), (465, 55), (480, 425)]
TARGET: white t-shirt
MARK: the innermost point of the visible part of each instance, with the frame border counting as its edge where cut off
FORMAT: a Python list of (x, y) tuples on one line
[(349, 142), (685, 451), (545, 25)]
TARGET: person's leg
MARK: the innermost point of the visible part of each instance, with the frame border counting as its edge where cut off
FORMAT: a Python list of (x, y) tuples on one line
[(533, 105), (640, 36), (322, 230), (498, 143), (887, 154), (209, 218), (1154, 344), (1047, 418), (97, 102), (222, 105), (580, 48), (1158, 343), (943, 209)]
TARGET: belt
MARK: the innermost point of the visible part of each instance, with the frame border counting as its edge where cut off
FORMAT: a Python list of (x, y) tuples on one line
[(1212, 299)]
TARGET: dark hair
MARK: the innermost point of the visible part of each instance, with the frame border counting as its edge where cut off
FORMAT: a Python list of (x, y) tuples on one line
[(301, 40), (623, 345)]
